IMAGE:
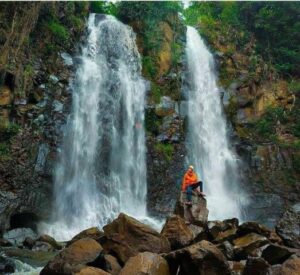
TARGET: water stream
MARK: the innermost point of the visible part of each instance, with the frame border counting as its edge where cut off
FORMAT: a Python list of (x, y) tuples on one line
[(208, 146), (102, 168)]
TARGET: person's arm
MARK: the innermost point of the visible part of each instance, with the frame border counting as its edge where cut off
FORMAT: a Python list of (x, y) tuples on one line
[(183, 183)]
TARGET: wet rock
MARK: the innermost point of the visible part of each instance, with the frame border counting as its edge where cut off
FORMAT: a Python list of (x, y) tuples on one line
[(41, 158), (53, 78), (227, 235), (165, 107), (73, 258), (200, 258), (146, 263), (126, 237), (257, 266), (244, 246), (112, 265), (42, 246), (237, 268), (93, 233), (177, 232), (7, 266), (17, 236), (48, 239), (29, 242), (197, 213), (88, 270), (288, 227), (199, 232), (222, 229), (68, 61), (276, 254), (5, 243)]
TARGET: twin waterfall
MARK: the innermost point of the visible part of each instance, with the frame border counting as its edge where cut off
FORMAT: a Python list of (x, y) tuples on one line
[(102, 167), (207, 145)]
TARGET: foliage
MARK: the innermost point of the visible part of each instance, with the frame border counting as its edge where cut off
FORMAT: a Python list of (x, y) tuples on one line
[(9, 131), (166, 149), (104, 7), (294, 86), (4, 149), (152, 122), (58, 31)]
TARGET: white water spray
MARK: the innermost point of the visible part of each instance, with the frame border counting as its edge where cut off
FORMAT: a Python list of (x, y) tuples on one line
[(208, 147), (102, 168)]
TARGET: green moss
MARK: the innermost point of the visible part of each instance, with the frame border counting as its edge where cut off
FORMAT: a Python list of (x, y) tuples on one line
[(149, 68), (152, 122), (59, 32), (166, 150), (9, 131), (294, 86)]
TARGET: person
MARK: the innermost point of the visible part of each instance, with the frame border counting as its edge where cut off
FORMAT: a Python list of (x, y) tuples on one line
[(191, 182)]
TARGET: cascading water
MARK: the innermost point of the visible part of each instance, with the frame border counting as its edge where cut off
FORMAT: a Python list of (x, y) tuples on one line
[(208, 147), (102, 169)]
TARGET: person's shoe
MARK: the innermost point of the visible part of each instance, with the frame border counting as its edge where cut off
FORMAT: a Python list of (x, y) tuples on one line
[(188, 203), (201, 194)]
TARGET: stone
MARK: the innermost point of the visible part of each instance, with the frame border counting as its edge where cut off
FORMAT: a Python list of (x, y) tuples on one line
[(288, 227), (6, 96), (67, 59), (227, 249), (222, 230), (289, 267), (54, 79), (177, 232), (257, 266), (126, 237), (197, 213), (227, 235), (7, 266), (253, 227), (146, 263), (18, 235), (93, 233), (57, 106), (5, 243), (89, 270), (73, 258), (245, 245), (200, 258), (29, 242), (48, 239), (165, 107), (112, 265), (276, 254), (236, 268), (42, 246)]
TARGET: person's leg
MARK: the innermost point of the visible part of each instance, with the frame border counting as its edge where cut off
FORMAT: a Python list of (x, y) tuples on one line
[(199, 188), (189, 193)]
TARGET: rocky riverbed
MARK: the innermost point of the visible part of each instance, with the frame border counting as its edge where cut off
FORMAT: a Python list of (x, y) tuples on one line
[(187, 244)]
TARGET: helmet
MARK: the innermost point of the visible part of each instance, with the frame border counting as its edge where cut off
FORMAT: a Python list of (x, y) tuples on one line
[(191, 167)]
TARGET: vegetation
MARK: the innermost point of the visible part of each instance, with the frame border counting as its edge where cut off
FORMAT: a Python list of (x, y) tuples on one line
[(165, 149)]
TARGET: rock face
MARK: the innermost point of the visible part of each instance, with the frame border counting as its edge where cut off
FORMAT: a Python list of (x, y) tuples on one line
[(91, 271), (126, 237), (288, 227), (74, 258), (146, 263), (93, 233), (177, 232), (200, 258), (195, 214), (17, 236)]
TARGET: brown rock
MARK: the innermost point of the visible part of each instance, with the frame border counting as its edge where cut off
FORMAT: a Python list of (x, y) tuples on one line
[(5, 96), (200, 258), (93, 233), (245, 245), (236, 268), (217, 227), (146, 263), (197, 213), (291, 267), (257, 266), (126, 237), (112, 265), (253, 227), (229, 234), (276, 254), (177, 232), (48, 239), (73, 258), (88, 270), (227, 249)]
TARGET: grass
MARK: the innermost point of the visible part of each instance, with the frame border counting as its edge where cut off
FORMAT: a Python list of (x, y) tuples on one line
[(165, 149)]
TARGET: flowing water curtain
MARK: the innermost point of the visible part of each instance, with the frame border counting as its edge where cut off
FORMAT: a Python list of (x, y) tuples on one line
[(102, 169), (208, 146)]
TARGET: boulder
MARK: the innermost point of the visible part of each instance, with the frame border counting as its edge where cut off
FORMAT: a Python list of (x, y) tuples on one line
[(112, 265), (236, 268), (93, 233), (276, 254), (42, 246), (257, 266), (197, 213), (227, 235), (126, 237), (18, 235), (227, 249), (165, 107), (177, 232), (245, 245), (6, 96), (200, 258), (146, 263), (88, 270), (216, 227), (253, 227), (7, 266), (48, 239), (288, 227), (289, 267), (73, 258)]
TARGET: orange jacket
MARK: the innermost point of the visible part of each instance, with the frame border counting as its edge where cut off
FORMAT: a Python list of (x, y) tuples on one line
[(188, 179)]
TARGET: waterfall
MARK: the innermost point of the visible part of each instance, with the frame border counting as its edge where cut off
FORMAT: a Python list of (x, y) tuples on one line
[(208, 147), (102, 167)]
